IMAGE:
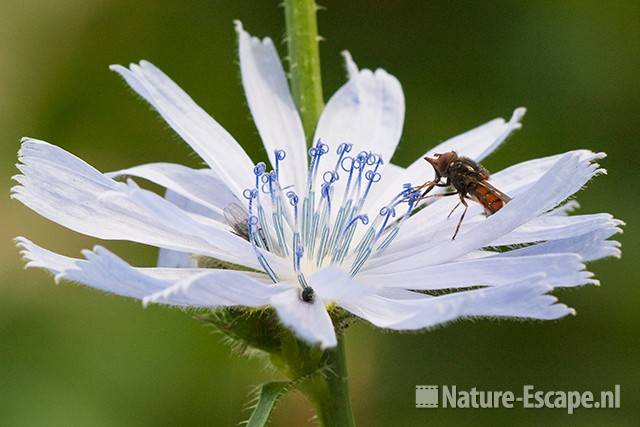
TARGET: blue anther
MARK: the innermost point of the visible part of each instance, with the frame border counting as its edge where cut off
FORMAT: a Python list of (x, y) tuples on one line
[(258, 170), (325, 189), (315, 152), (267, 182), (325, 192), (363, 156), (373, 176), (250, 193), (293, 198), (279, 155), (388, 211), (330, 177), (372, 159), (344, 148), (347, 160), (364, 218), (319, 149)]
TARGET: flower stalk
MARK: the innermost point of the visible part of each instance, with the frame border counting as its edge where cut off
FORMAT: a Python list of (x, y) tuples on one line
[(330, 394), (304, 61)]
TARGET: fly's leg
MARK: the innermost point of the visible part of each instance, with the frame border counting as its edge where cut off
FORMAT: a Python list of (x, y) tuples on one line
[(453, 210), (466, 206), (425, 188), (430, 184)]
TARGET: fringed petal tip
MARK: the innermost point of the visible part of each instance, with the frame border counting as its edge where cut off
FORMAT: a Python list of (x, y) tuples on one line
[(239, 28), (352, 68), (588, 278), (29, 252), (37, 257), (516, 118), (237, 25), (153, 298), (23, 245)]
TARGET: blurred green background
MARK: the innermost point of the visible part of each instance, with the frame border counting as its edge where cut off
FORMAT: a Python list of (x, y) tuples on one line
[(70, 356)]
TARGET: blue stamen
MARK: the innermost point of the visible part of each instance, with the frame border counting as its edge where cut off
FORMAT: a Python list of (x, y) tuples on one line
[(354, 164), (297, 225), (258, 170), (315, 153), (252, 222), (293, 201), (341, 151), (279, 155)]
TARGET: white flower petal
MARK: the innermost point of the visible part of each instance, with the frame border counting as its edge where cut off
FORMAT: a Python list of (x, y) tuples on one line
[(101, 270), (334, 285), (527, 298), (549, 226), (66, 190), (105, 271), (565, 209), (368, 112), (380, 311), (590, 246), (207, 138), (553, 227), (309, 320), (478, 143), (200, 186), (561, 270), (272, 107), (392, 172), (566, 177), (215, 288), (178, 274), (519, 177), (177, 259)]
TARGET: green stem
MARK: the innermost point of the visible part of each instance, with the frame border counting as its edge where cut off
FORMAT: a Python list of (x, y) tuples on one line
[(304, 61), (330, 393), (321, 375)]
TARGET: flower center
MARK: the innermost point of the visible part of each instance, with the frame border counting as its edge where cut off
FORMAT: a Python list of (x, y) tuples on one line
[(309, 228)]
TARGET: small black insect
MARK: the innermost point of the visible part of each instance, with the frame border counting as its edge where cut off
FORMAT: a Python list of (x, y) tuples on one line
[(236, 217), (307, 294)]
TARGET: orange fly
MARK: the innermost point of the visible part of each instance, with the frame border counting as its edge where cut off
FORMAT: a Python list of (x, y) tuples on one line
[(470, 181)]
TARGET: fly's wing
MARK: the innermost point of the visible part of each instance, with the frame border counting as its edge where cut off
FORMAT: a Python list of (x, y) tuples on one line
[(236, 217), (489, 197)]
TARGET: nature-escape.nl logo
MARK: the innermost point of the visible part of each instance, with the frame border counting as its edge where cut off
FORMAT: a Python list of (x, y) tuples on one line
[(430, 396)]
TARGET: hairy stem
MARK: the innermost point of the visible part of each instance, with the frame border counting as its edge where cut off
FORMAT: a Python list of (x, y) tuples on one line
[(321, 375), (304, 61), (330, 394)]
